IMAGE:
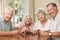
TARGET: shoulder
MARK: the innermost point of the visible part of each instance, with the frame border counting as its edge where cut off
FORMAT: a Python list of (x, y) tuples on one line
[(19, 24), (37, 22), (1, 17), (1, 20), (58, 16)]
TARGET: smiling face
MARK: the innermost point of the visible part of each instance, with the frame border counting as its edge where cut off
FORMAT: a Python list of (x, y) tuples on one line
[(41, 16), (28, 20), (7, 15), (52, 11)]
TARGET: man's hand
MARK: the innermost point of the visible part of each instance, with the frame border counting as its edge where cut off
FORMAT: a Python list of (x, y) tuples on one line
[(14, 32), (56, 34)]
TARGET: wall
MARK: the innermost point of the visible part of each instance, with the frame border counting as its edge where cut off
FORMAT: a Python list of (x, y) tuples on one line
[(43, 3)]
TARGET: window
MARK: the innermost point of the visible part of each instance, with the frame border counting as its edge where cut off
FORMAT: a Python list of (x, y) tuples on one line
[(18, 5)]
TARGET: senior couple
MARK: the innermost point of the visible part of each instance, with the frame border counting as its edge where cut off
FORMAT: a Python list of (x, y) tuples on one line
[(40, 30)]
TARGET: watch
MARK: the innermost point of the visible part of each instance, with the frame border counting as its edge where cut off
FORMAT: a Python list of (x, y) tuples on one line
[(49, 33)]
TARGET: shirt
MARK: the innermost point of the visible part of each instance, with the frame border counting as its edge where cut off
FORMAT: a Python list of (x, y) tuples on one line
[(5, 26), (46, 27), (55, 25), (22, 24)]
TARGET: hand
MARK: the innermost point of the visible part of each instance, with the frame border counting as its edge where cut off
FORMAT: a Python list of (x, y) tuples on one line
[(34, 31), (44, 33), (13, 32), (22, 30)]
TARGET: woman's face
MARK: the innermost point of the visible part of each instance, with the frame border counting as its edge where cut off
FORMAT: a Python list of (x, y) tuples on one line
[(28, 20), (41, 16)]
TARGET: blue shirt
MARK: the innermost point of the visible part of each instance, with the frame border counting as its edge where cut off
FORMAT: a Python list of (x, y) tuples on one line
[(5, 26)]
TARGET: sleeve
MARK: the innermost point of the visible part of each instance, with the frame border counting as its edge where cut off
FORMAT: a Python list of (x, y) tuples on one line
[(35, 26), (58, 27), (0, 26), (58, 24), (52, 28), (0, 22), (11, 26)]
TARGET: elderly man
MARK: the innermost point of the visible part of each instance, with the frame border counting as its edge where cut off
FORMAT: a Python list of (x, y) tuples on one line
[(55, 20), (27, 27), (6, 28)]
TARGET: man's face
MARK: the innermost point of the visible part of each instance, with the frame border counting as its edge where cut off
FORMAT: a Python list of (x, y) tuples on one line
[(52, 11), (7, 15), (41, 17), (28, 20)]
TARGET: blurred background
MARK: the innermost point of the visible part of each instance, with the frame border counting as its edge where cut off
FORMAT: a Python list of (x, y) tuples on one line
[(23, 7)]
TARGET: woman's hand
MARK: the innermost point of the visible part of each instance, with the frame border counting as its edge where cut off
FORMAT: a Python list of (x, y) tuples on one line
[(44, 33)]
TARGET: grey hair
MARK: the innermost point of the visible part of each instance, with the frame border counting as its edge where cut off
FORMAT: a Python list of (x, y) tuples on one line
[(40, 11), (26, 16), (9, 8)]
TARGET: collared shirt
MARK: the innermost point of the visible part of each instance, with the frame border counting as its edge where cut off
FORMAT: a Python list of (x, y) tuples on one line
[(22, 24), (5, 26), (46, 27), (31, 27), (55, 23)]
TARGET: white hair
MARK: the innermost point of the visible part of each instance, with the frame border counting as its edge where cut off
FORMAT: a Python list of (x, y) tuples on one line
[(26, 16), (40, 11), (9, 8)]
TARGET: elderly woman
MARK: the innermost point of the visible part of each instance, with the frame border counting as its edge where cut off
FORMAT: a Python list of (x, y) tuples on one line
[(26, 27), (43, 25)]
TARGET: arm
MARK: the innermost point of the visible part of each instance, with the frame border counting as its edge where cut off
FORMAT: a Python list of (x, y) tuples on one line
[(9, 33), (4, 33), (44, 33), (16, 30), (56, 34)]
